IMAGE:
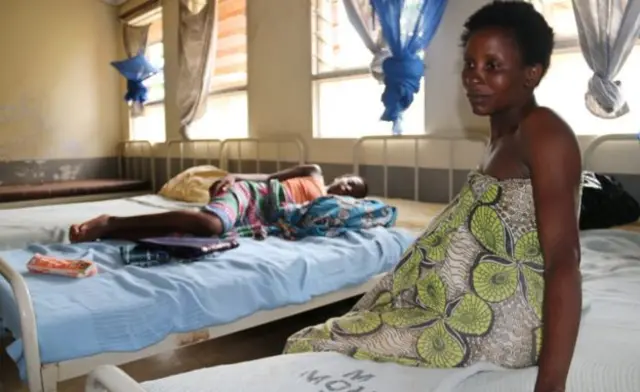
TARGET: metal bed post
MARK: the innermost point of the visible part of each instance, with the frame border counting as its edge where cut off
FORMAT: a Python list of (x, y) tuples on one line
[(471, 137), (111, 379), (28, 326), (277, 140), (600, 140), (123, 167), (193, 143)]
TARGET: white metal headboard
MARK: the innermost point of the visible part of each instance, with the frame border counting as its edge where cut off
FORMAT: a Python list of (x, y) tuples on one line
[(473, 137), (220, 149), (597, 142), (136, 161), (278, 141), (212, 148)]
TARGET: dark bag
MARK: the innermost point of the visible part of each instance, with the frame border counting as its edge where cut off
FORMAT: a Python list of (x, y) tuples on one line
[(187, 247), (151, 252), (605, 203)]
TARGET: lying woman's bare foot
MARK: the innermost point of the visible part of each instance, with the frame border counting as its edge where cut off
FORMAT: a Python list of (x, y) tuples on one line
[(90, 230)]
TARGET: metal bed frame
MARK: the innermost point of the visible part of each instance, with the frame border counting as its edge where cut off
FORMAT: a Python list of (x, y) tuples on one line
[(224, 147), (112, 379), (45, 377), (134, 166), (135, 162), (587, 156), (416, 139)]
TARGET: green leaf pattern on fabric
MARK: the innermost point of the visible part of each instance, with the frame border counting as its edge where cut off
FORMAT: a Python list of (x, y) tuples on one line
[(424, 315)]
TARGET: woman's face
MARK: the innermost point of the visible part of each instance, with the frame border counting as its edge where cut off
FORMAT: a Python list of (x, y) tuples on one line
[(494, 76)]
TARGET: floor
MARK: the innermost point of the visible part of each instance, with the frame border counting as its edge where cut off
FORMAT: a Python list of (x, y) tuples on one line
[(255, 343)]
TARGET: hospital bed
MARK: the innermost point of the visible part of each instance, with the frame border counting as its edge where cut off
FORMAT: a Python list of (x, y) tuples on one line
[(50, 223), (255, 284), (589, 158), (606, 356), (135, 176), (415, 213)]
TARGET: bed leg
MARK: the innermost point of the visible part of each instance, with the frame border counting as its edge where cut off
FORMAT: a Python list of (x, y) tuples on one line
[(107, 378), (28, 328), (50, 378)]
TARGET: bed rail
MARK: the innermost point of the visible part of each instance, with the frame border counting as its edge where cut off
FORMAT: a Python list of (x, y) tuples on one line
[(211, 146), (108, 378), (28, 327), (471, 137), (587, 156), (136, 161), (278, 141)]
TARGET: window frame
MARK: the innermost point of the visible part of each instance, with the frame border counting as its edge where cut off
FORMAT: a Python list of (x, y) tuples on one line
[(571, 46), (317, 77), (240, 88), (161, 71)]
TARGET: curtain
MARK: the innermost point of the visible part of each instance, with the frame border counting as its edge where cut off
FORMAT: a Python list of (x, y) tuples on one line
[(196, 54), (608, 30), (361, 17), (407, 27), (134, 39)]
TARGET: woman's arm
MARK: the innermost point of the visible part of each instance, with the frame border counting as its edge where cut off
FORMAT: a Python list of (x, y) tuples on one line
[(554, 160), (282, 175)]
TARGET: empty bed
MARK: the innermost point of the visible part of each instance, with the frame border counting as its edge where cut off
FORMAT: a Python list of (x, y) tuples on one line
[(606, 356), (138, 312)]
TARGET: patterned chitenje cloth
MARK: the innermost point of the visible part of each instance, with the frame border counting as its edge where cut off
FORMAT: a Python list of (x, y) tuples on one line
[(469, 289), (331, 216), (242, 207)]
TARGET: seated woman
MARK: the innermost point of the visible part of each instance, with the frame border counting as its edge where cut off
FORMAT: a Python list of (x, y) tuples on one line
[(496, 276), (236, 200)]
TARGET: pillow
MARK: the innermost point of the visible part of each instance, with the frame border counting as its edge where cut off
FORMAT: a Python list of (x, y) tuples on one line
[(192, 185)]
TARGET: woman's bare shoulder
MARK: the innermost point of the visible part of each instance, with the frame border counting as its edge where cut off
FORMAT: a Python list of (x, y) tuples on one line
[(544, 128), (548, 138)]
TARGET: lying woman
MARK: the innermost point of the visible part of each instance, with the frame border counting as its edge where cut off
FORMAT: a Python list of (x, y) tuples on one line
[(236, 200), (496, 276)]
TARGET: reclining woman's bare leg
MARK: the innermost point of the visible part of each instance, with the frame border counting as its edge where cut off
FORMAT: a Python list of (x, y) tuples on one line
[(197, 223)]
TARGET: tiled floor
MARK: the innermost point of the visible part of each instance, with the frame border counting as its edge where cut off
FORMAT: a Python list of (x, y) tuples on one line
[(255, 343)]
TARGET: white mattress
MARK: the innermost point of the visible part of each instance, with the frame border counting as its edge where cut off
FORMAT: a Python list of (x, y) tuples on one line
[(50, 224), (606, 359), (414, 215)]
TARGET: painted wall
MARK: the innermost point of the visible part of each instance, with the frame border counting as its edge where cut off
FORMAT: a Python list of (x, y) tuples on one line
[(280, 103), (59, 97), (280, 98)]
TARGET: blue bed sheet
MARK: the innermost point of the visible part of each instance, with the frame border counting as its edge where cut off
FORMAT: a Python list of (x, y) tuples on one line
[(127, 308)]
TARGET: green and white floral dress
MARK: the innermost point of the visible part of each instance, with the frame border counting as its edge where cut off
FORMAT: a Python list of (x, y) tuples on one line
[(469, 289)]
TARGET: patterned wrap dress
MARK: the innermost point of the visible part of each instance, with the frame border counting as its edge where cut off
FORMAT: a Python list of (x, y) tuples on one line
[(469, 289)]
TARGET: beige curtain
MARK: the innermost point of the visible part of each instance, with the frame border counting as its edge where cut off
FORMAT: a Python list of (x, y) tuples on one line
[(196, 54), (135, 40), (361, 17)]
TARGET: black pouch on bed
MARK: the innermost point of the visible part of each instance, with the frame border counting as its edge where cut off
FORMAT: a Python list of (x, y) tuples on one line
[(151, 252), (187, 247), (605, 203)]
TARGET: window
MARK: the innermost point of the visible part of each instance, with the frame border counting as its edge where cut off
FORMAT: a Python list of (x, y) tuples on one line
[(346, 96), (227, 110), (564, 87), (151, 124), (559, 14), (155, 55)]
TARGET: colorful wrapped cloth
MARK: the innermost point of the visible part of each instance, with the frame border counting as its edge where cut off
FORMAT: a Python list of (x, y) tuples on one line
[(330, 216)]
